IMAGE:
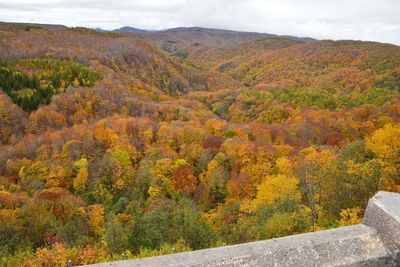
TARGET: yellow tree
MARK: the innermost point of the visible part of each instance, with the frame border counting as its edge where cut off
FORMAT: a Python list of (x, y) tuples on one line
[(385, 143), (166, 137), (275, 187), (163, 171), (81, 180), (214, 126), (95, 218), (55, 178)]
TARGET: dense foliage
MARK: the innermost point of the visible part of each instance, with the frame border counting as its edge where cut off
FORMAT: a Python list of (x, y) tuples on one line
[(141, 153), (32, 82)]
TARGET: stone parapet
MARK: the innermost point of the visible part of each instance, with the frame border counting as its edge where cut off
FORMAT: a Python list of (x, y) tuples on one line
[(374, 242)]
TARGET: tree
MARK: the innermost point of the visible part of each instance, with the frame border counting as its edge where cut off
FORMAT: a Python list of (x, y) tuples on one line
[(280, 224), (317, 173), (81, 180), (183, 179), (385, 143), (240, 187), (95, 218), (276, 187), (216, 178), (115, 234), (122, 157)]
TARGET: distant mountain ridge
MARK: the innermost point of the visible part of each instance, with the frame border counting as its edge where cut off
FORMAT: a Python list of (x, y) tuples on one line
[(189, 42), (194, 42), (129, 29), (17, 25)]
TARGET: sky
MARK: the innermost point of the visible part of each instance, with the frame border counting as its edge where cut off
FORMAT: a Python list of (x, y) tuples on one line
[(370, 20)]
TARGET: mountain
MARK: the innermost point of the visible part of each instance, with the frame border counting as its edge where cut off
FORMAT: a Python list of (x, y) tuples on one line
[(125, 29), (194, 41), (185, 139), (100, 30), (130, 29), (27, 26), (49, 26), (270, 61), (319, 74), (187, 41)]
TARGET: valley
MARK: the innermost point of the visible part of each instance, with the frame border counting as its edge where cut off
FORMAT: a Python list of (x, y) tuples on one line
[(137, 143)]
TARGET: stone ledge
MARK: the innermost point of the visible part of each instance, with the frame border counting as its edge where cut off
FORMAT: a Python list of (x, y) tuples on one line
[(383, 214), (375, 242)]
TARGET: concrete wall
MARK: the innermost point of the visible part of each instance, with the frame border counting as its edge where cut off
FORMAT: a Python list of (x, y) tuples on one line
[(374, 242)]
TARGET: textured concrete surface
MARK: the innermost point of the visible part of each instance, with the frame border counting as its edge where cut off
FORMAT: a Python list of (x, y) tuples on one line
[(375, 242), (383, 214)]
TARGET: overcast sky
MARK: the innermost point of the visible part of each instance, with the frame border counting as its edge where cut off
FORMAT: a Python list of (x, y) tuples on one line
[(375, 20)]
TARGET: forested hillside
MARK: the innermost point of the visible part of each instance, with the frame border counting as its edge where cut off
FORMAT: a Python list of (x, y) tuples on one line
[(110, 145), (186, 42)]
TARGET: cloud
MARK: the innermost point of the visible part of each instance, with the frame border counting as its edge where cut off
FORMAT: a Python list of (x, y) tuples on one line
[(375, 20)]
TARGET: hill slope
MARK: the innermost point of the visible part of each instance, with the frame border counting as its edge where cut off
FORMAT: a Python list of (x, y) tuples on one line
[(109, 145), (129, 29), (185, 42), (321, 74)]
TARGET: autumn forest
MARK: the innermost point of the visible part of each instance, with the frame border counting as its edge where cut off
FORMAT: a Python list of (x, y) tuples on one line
[(141, 143)]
